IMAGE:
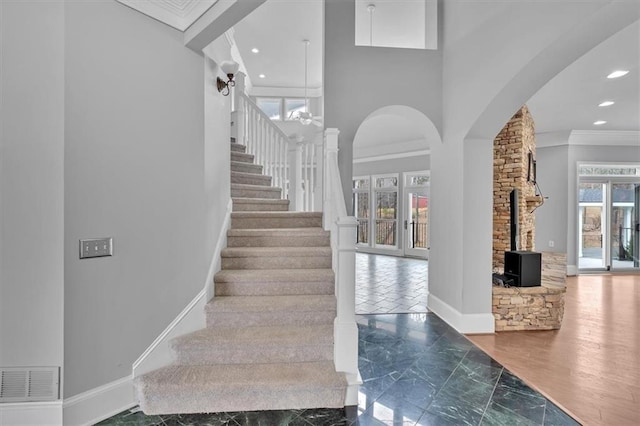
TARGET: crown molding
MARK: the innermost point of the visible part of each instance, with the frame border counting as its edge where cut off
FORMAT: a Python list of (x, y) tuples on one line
[(589, 138), (179, 14), (391, 156), (605, 137)]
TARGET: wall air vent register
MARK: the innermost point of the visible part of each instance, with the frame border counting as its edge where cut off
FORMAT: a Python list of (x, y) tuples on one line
[(28, 384)]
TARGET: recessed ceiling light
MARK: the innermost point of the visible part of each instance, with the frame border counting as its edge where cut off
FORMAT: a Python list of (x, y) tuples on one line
[(606, 103), (262, 76), (599, 122), (255, 50), (618, 73)]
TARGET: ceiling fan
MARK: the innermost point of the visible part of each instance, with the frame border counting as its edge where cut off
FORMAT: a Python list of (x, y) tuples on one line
[(304, 116)]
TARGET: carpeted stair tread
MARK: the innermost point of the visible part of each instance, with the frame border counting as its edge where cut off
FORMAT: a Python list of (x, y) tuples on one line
[(278, 232), (242, 157), (241, 387), (264, 336), (278, 237), (275, 251), (236, 147), (293, 303), (274, 219), (274, 275), (272, 282), (279, 215), (250, 178), (259, 204), (237, 166), (292, 343), (255, 191)]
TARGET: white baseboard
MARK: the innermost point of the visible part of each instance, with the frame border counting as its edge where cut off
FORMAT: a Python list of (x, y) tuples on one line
[(572, 270), (100, 403), (192, 317), (462, 323), (31, 413), (159, 353), (221, 243)]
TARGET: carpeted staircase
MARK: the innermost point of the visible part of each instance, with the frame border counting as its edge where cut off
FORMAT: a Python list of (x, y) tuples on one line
[(268, 343)]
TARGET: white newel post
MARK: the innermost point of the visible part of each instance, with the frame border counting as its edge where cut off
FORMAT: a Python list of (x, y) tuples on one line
[(345, 325), (343, 242), (238, 112)]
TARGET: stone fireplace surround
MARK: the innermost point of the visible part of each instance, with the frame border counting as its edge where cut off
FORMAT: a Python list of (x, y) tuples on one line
[(522, 308)]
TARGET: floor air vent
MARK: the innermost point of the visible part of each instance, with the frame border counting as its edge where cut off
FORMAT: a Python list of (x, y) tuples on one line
[(19, 384)]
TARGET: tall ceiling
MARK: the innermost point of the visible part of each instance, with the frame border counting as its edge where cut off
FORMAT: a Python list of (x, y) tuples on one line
[(568, 102), (277, 29)]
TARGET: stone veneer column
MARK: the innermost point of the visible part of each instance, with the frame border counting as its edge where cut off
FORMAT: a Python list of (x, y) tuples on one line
[(510, 169)]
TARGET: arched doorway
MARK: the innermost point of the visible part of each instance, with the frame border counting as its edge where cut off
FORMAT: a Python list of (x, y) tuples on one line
[(391, 186)]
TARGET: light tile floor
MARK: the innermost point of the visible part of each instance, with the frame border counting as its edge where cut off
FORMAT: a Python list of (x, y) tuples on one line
[(389, 284)]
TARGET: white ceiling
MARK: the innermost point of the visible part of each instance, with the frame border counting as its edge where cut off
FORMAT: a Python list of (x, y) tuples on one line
[(277, 28), (570, 100)]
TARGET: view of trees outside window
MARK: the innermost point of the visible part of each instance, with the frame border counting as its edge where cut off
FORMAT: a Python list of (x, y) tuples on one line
[(419, 215), (361, 209), (386, 198), (622, 214), (271, 106)]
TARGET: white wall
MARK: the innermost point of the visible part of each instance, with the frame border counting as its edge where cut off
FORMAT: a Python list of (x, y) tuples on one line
[(134, 160), (552, 217), (359, 80), (31, 183)]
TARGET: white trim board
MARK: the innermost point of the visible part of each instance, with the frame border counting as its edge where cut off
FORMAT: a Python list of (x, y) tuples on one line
[(588, 137), (462, 323), (31, 413), (100, 403), (391, 156), (177, 14)]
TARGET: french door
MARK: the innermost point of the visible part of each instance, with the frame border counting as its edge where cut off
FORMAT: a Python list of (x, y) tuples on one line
[(416, 223), (609, 221), (416, 215)]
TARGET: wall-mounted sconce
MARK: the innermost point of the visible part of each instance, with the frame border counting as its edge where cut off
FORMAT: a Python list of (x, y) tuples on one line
[(230, 69)]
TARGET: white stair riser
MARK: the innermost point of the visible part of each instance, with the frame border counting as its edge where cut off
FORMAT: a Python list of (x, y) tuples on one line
[(281, 288), (258, 319)]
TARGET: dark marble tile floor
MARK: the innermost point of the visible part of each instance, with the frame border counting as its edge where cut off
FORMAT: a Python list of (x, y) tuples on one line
[(416, 370)]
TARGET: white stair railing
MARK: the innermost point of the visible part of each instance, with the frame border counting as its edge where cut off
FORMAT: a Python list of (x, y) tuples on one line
[(254, 129), (343, 245), (307, 164)]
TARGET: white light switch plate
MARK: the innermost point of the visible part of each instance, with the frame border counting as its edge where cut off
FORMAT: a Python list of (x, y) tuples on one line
[(96, 247)]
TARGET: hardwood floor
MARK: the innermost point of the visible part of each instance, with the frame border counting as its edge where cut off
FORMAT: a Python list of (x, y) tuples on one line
[(591, 366)]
